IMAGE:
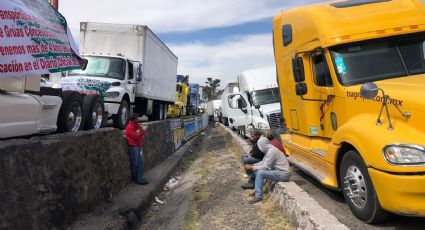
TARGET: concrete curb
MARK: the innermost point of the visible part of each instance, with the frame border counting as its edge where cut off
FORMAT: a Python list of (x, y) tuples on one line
[(302, 211), (128, 208)]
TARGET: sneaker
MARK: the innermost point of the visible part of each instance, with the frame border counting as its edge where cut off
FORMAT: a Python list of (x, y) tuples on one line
[(143, 182), (248, 186), (255, 200)]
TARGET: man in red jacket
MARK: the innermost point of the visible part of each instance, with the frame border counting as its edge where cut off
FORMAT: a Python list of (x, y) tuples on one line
[(275, 142), (134, 135)]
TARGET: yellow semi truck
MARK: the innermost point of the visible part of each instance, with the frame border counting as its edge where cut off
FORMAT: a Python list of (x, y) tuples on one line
[(352, 83), (179, 108)]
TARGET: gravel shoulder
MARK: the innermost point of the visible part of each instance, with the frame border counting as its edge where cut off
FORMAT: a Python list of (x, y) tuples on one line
[(209, 195)]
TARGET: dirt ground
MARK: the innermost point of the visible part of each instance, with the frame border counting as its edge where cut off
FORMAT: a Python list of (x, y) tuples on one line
[(209, 196)]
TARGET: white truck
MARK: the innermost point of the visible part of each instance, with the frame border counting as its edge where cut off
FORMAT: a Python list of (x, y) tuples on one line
[(214, 110), (225, 103), (139, 66), (258, 102)]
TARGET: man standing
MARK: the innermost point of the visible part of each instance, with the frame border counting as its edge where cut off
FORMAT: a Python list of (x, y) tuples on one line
[(255, 156), (273, 167), (134, 135)]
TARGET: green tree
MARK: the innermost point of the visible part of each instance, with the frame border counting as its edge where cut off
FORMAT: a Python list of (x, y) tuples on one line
[(186, 79), (210, 89)]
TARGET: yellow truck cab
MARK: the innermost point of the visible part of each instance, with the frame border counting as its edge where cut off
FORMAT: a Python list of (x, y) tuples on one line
[(352, 83), (179, 108)]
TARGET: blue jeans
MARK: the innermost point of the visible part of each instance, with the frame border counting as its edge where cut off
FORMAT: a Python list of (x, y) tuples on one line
[(274, 175), (247, 159), (136, 161)]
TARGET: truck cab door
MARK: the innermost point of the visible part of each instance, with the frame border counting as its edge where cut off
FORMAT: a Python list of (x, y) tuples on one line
[(239, 113), (132, 79), (324, 89)]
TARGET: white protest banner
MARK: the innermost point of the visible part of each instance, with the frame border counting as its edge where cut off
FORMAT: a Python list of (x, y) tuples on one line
[(34, 40)]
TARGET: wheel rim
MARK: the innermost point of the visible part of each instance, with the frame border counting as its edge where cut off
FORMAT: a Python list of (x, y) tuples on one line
[(355, 186), (97, 116), (124, 115), (74, 117)]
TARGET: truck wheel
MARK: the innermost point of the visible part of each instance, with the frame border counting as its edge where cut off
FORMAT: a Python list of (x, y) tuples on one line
[(358, 189), (165, 111), (71, 113), (244, 132), (93, 112), (156, 111), (181, 112), (121, 119)]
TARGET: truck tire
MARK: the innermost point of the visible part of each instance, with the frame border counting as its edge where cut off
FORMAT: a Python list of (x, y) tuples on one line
[(71, 117), (156, 111), (181, 112), (93, 112), (244, 132), (165, 110), (161, 111), (121, 119), (358, 189)]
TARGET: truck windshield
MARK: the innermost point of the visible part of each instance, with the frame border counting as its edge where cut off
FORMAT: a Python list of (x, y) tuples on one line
[(379, 59), (265, 96), (108, 67)]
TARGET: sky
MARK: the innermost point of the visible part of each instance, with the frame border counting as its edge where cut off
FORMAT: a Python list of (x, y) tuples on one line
[(211, 38)]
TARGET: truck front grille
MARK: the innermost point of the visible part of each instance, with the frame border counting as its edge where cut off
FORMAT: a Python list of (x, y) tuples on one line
[(275, 120)]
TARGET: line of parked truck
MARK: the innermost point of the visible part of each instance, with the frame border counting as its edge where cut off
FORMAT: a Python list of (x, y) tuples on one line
[(188, 99), (128, 69), (251, 103), (327, 56)]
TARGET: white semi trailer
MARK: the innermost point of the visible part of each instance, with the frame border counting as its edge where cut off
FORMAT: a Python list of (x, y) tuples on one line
[(139, 66)]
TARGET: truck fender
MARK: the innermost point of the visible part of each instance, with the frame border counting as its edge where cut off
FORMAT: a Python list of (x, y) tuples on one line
[(362, 133)]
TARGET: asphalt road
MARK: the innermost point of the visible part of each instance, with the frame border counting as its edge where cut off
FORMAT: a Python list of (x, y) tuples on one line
[(334, 202)]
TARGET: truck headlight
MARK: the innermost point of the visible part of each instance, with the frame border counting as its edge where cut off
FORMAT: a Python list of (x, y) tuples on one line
[(112, 94), (404, 154), (262, 125)]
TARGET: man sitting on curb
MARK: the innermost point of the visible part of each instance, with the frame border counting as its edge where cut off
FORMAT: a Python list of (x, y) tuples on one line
[(255, 156), (273, 167), (275, 142)]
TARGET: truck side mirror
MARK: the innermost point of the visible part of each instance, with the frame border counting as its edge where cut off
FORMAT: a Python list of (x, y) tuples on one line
[(369, 90), (298, 69), (240, 103), (301, 88), (242, 106)]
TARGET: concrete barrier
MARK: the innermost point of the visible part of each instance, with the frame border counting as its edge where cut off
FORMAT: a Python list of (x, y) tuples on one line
[(302, 211), (47, 182)]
